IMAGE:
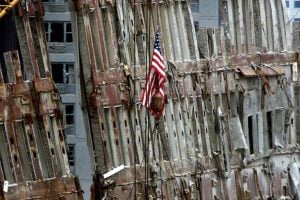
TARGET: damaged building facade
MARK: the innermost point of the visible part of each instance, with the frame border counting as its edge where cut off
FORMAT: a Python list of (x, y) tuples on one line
[(230, 128)]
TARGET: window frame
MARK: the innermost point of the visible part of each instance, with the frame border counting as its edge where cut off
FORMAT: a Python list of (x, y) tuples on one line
[(48, 31), (66, 125), (67, 76), (71, 154)]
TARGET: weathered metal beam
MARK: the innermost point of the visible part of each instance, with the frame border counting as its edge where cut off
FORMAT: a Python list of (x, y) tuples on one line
[(210, 102)]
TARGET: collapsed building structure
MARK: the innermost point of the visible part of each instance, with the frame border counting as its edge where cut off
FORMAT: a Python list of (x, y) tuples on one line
[(229, 126), (229, 129), (33, 154)]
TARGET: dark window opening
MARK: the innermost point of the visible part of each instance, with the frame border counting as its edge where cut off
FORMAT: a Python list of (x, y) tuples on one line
[(34, 154), (61, 137), (46, 25), (57, 32), (58, 73), (287, 3), (69, 118), (196, 26), (297, 4), (69, 114), (64, 76), (250, 133), (12, 142), (285, 190), (69, 109), (69, 37), (63, 150), (30, 137), (269, 129)]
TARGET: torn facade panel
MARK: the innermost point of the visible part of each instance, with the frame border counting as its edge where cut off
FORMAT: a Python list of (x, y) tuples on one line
[(34, 163)]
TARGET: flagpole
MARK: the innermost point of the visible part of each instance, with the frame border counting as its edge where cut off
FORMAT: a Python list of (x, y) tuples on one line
[(147, 128), (152, 96)]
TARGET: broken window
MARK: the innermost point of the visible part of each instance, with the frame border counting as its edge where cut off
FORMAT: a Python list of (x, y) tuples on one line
[(279, 120), (69, 118), (250, 133), (269, 129), (69, 37), (71, 157), (58, 32), (64, 76)]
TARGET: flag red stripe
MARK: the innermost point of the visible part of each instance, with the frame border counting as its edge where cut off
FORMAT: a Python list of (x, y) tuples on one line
[(147, 89), (155, 78)]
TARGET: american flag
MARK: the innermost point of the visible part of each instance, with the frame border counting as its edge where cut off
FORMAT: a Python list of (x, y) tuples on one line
[(156, 76)]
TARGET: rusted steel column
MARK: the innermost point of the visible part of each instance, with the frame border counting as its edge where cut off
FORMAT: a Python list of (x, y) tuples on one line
[(137, 144), (53, 149), (114, 136), (124, 34), (182, 30), (107, 152), (233, 42), (14, 153), (30, 43), (23, 101), (261, 33), (39, 26), (10, 70), (240, 28), (250, 31), (100, 47), (286, 26), (191, 34), (175, 34), (140, 29), (269, 26), (275, 36), (90, 46), (125, 135), (111, 36), (212, 42), (282, 28), (173, 150)]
